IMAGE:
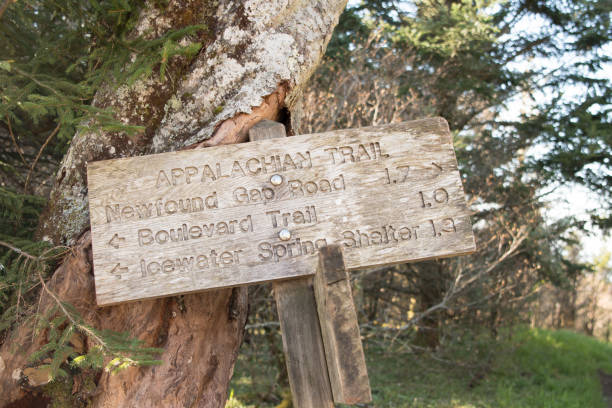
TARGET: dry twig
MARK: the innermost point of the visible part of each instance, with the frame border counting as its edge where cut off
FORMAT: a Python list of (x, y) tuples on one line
[(57, 128), (10, 129)]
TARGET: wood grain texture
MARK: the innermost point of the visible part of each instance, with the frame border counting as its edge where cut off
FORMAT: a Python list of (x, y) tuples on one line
[(193, 220), (346, 364), (303, 344), (267, 129), (299, 320)]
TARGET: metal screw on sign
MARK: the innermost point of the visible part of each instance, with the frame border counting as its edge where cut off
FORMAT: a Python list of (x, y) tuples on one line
[(284, 234), (276, 180)]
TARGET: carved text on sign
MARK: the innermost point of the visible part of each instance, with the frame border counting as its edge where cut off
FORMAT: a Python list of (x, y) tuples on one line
[(201, 219)]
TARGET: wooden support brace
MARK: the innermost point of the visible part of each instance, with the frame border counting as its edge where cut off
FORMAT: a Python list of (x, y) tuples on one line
[(343, 350), (297, 312), (302, 344)]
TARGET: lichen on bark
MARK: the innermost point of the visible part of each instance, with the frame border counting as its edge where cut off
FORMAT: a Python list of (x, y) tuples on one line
[(265, 44), (250, 50)]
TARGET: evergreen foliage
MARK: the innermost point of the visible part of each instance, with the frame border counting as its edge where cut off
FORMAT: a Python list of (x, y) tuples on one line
[(468, 60), (54, 57), (20, 255), (18, 213), (528, 102), (114, 351), (47, 74)]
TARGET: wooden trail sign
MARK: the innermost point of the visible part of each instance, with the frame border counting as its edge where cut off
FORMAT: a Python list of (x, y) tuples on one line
[(233, 215)]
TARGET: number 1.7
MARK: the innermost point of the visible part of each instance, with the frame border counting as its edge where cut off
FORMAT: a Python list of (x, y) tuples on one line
[(403, 170)]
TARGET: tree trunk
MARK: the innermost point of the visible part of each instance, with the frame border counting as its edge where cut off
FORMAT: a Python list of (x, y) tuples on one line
[(256, 58)]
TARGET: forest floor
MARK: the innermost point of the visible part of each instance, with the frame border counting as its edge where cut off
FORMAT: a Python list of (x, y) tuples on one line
[(531, 368)]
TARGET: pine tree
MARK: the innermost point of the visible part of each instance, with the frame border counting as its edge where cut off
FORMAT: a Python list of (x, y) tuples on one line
[(469, 62)]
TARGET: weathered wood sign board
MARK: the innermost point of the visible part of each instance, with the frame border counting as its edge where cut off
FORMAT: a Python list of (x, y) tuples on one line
[(240, 214)]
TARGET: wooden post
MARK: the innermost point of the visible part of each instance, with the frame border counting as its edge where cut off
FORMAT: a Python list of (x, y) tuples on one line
[(302, 344), (343, 351), (297, 312)]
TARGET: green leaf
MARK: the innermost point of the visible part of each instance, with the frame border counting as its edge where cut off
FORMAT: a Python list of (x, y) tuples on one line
[(6, 65)]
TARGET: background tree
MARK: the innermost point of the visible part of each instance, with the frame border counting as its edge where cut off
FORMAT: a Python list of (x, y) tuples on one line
[(523, 88)]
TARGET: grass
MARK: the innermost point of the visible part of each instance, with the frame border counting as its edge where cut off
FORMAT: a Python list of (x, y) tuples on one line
[(534, 368), (553, 369)]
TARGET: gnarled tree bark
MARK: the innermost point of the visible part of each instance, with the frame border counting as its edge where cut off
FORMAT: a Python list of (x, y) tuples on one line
[(256, 58)]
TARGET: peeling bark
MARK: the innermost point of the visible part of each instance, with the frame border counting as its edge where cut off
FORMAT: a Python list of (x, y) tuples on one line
[(236, 129), (256, 59)]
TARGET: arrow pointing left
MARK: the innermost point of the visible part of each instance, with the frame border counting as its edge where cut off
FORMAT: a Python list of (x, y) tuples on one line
[(115, 240), (118, 270)]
